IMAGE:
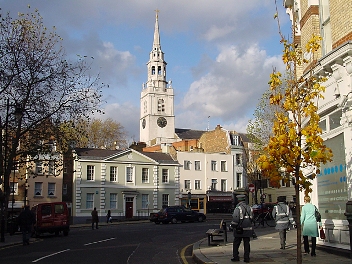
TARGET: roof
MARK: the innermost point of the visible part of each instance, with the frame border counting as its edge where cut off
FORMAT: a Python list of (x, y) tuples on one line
[(97, 154), (185, 133), (160, 157)]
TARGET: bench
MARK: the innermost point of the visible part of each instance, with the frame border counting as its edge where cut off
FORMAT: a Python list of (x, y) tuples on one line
[(222, 232)]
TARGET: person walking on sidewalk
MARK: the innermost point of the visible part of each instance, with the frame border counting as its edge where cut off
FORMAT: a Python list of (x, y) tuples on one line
[(242, 228), (26, 220), (310, 225), (283, 217), (95, 218), (108, 217)]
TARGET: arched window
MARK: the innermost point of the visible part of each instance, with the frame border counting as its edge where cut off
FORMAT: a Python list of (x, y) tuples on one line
[(153, 70)]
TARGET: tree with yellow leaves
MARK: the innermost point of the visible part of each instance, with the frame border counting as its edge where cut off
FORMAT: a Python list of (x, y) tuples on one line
[(296, 144)]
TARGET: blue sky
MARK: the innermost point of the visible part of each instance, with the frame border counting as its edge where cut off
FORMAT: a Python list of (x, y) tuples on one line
[(219, 53)]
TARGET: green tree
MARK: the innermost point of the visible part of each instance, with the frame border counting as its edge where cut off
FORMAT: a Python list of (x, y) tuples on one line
[(296, 142)]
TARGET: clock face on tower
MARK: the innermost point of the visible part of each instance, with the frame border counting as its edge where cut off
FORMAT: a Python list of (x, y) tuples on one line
[(143, 123), (161, 122)]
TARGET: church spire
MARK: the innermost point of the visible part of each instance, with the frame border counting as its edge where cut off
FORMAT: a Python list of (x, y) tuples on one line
[(156, 43)]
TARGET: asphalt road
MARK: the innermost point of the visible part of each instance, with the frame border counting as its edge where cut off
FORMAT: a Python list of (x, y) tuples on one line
[(124, 243)]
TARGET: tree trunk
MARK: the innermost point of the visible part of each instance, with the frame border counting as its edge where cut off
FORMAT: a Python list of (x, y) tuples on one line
[(299, 230)]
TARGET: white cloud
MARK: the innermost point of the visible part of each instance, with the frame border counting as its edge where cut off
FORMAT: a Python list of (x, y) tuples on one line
[(232, 87)]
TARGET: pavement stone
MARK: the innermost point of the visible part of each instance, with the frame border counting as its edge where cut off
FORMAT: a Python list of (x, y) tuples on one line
[(265, 249)]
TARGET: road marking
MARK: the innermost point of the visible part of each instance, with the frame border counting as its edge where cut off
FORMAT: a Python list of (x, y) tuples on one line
[(50, 255), (99, 241), (182, 254)]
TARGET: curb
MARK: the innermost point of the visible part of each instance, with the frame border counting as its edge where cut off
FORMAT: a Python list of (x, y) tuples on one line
[(198, 256)]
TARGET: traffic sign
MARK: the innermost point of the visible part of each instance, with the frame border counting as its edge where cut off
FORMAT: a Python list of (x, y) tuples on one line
[(251, 187)]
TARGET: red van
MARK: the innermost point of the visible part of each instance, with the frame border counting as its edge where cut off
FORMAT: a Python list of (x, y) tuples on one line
[(51, 218)]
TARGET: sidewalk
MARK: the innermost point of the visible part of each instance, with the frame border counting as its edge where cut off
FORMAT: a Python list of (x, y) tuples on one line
[(265, 249)]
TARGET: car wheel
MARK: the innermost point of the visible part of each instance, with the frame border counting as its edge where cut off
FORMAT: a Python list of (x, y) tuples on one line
[(200, 219), (165, 222), (65, 232), (174, 220), (157, 222)]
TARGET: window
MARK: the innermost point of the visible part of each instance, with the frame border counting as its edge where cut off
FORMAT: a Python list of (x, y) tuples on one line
[(90, 173), (113, 174), (14, 188), (39, 167), (51, 189), (197, 184), (236, 140), (51, 169), (325, 26), (197, 165), (239, 180), (334, 119), (187, 184), (213, 184), (64, 189), (159, 70), (238, 159), (213, 165), (65, 167), (223, 185), (153, 69), (90, 201), (113, 200), (145, 201), (145, 175), (165, 200), (223, 165), (161, 105), (38, 188), (187, 165), (165, 175), (322, 125), (129, 174)]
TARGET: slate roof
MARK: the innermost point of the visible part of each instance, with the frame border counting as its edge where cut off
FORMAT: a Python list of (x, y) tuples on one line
[(98, 154), (185, 133)]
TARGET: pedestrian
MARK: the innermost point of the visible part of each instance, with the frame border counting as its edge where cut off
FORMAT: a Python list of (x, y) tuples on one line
[(26, 220), (310, 225), (95, 218), (108, 217), (242, 228), (283, 217)]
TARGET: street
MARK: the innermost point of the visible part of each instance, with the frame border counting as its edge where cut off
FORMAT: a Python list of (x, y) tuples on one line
[(122, 243)]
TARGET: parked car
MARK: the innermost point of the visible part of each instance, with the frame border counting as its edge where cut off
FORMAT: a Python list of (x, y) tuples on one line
[(257, 208), (174, 214), (51, 218)]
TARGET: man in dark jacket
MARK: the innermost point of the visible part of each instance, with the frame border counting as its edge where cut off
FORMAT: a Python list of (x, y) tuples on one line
[(26, 220), (283, 216), (95, 218), (242, 228)]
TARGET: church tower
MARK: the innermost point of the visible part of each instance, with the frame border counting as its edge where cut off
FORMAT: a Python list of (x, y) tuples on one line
[(157, 120)]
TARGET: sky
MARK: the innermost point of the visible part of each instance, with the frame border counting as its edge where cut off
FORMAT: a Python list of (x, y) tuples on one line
[(219, 53)]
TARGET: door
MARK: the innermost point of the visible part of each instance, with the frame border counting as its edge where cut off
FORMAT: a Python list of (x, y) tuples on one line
[(129, 207)]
